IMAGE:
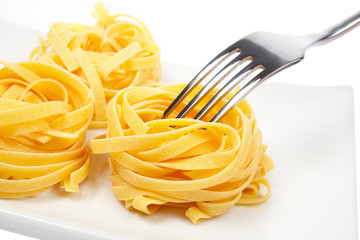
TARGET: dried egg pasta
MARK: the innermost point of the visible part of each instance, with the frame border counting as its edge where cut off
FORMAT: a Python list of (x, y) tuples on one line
[(117, 52), (44, 114), (204, 167)]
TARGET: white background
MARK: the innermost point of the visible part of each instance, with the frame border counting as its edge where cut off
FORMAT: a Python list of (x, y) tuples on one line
[(191, 32)]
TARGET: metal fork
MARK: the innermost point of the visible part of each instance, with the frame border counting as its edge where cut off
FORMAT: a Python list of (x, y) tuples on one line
[(262, 54)]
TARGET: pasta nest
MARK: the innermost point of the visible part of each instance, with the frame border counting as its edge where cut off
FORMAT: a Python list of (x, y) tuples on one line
[(117, 52), (204, 167), (44, 114)]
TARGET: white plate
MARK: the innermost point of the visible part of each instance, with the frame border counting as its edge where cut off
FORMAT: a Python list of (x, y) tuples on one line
[(310, 135)]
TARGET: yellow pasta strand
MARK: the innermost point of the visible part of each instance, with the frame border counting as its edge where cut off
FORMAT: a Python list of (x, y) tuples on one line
[(116, 53), (44, 114), (203, 167)]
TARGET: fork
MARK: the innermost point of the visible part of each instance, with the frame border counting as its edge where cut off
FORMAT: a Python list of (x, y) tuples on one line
[(251, 61)]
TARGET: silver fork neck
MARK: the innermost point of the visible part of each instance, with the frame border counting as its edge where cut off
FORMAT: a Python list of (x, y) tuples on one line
[(335, 31)]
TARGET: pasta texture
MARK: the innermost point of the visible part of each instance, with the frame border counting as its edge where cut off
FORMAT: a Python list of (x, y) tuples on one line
[(117, 52), (204, 167), (44, 114)]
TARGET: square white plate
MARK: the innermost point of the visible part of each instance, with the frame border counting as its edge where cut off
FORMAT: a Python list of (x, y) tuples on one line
[(310, 135)]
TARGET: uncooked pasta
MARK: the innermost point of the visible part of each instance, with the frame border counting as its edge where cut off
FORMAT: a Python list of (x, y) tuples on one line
[(44, 114), (204, 167), (117, 52)]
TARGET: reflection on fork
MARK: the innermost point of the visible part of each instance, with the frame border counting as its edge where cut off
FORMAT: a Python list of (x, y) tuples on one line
[(248, 63)]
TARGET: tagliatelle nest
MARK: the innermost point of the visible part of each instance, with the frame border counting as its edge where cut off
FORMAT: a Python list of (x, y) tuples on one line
[(204, 167), (117, 52), (44, 114)]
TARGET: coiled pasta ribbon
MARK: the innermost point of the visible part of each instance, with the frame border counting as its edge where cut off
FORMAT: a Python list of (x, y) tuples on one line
[(204, 167), (117, 52), (44, 114)]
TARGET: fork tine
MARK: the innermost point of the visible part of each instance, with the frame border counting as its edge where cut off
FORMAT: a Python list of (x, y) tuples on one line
[(196, 80), (211, 84), (231, 84), (241, 94)]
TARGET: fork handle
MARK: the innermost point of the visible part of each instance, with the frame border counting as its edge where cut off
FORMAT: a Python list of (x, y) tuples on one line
[(336, 31)]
